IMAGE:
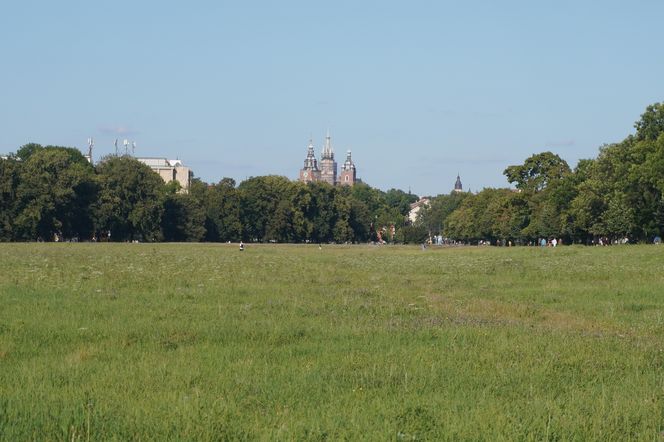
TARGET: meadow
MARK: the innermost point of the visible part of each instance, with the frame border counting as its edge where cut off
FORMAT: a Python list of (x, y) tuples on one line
[(286, 342)]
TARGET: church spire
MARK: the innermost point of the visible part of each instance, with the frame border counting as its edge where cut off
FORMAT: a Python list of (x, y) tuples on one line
[(457, 186), (310, 162), (348, 164), (328, 152)]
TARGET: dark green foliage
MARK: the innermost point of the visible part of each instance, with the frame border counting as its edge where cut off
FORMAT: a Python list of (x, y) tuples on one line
[(9, 180), (27, 150), (56, 187), (183, 219), (413, 234), (434, 216), (400, 200), (651, 124), (131, 199), (537, 171), (52, 190), (222, 209), (259, 199)]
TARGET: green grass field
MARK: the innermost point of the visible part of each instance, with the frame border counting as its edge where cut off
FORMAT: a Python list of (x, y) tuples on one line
[(202, 342)]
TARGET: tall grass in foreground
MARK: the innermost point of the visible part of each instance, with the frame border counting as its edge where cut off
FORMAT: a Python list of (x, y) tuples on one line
[(202, 342)]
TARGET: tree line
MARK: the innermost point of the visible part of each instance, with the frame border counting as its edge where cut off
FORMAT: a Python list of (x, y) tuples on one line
[(614, 196), (51, 191)]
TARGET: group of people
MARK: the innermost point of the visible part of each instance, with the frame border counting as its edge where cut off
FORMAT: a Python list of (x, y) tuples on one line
[(543, 242), (604, 241)]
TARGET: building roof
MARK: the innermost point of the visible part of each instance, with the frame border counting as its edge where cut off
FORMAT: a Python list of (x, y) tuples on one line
[(160, 162), (457, 185)]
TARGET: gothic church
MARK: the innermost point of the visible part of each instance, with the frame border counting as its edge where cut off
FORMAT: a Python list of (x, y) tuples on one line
[(328, 167)]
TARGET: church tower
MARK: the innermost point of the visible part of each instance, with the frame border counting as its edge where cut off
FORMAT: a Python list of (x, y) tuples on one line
[(310, 171), (328, 167), (348, 174), (457, 186)]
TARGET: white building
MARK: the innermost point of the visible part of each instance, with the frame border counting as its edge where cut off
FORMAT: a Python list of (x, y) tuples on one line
[(170, 170), (416, 207)]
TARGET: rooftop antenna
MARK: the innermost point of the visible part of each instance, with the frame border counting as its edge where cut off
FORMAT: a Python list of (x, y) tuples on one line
[(91, 143), (116, 147), (126, 146)]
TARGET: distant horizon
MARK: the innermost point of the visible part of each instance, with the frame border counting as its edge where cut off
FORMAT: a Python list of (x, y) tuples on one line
[(418, 92), (293, 176)]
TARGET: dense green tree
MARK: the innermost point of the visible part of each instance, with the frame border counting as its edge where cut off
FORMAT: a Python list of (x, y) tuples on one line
[(342, 231), (537, 171), (183, 218), (10, 170), (400, 200), (374, 199), (56, 187), (413, 234), (434, 216), (24, 152), (130, 203), (489, 215), (301, 200), (618, 218), (222, 208), (321, 212), (259, 199), (651, 124), (359, 220)]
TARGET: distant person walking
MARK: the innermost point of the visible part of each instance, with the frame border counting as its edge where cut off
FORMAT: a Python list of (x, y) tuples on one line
[(241, 246)]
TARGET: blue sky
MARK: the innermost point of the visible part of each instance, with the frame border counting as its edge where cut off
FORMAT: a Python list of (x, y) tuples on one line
[(417, 90)]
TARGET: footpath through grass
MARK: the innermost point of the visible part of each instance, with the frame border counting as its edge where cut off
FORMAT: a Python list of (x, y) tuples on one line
[(202, 342)]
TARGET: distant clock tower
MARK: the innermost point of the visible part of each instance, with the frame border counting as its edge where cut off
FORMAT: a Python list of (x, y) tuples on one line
[(310, 172), (348, 173)]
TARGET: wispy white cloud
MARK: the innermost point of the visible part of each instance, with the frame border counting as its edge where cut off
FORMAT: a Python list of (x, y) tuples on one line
[(119, 130)]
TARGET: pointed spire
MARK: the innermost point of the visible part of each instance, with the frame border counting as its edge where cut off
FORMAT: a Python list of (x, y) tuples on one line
[(457, 186), (310, 163), (348, 164), (328, 152)]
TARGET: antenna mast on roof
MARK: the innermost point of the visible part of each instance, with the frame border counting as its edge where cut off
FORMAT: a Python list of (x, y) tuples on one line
[(91, 143)]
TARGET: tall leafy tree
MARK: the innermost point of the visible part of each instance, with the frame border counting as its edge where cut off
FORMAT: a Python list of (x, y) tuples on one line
[(434, 217), (259, 199), (222, 208), (56, 189), (537, 171), (10, 170), (651, 124), (183, 218), (400, 200), (130, 203), (24, 152)]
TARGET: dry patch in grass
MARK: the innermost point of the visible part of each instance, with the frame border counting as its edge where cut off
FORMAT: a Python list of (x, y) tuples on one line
[(480, 311), (81, 355)]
